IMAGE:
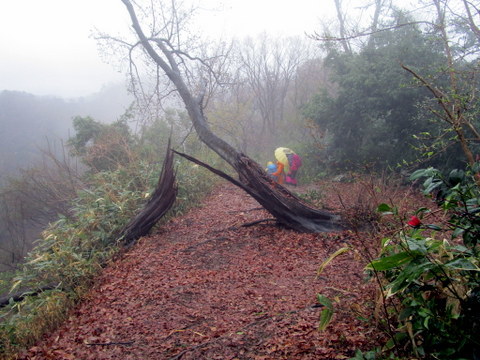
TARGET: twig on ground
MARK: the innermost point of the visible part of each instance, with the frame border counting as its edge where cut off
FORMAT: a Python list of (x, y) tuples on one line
[(248, 210), (111, 343), (192, 247)]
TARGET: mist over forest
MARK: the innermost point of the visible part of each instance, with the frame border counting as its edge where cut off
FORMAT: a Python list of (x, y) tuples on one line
[(31, 123)]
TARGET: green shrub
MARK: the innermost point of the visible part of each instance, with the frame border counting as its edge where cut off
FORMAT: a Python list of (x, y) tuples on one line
[(433, 282)]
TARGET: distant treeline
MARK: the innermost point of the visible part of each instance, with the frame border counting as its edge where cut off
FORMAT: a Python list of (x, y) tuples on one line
[(29, 123)]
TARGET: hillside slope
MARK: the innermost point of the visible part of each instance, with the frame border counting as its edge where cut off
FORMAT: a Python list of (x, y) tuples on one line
[(29, 123)]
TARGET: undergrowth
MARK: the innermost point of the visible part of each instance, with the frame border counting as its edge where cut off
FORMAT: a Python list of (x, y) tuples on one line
[(428, 272), (72, 250)]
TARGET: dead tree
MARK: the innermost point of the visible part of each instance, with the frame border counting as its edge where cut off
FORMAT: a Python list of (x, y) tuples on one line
[(281, 203), (158, 204)]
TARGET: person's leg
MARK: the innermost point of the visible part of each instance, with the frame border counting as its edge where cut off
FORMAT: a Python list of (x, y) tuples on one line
[(292, 177)]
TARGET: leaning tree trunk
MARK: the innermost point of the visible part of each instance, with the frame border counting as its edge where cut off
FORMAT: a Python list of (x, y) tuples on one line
[(287, 208)]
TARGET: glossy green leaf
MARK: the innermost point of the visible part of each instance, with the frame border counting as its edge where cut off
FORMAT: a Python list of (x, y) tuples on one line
[(434, 227), (390, 262)]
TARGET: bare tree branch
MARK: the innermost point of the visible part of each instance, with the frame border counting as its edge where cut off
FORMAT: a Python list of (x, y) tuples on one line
[(319, 37)]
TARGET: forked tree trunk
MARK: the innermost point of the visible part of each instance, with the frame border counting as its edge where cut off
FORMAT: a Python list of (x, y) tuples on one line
[(287, 208)]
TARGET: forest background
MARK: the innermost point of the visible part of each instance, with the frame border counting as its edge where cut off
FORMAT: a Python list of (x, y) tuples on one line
[(387, 88)]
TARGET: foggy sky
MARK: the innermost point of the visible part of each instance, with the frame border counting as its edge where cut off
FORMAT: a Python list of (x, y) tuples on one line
[(49, 49)]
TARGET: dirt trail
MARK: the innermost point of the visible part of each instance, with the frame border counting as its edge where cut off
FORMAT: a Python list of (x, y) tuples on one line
[(205, 287)]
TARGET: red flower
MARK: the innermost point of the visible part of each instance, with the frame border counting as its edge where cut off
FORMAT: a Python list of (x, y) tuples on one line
[(414, 222)]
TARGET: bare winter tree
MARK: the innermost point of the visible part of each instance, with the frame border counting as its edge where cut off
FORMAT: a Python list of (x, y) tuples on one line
[(258, 108), (356, 24), (342, 27), (32, 200), (472, 12), (164, 48), (232, 114), (378, 5), (269, 66)]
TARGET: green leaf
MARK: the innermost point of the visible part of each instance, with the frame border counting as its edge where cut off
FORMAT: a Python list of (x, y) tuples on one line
[(425, 322), (398, 337), (418, 174), (461, 248), (474, 210), (417, 245), (390, 262), (457, 232), (430, 186), (422, 210), (385, 241), (384, 208), (327, 312), (456, 176), (434, 227), (422, 173), (462, 264), (409, 275)]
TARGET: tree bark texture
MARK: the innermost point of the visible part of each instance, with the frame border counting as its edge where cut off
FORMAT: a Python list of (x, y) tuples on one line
[(159, 203)]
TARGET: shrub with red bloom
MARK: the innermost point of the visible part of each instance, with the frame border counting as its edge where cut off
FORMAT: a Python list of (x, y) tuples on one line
[(414, 222)]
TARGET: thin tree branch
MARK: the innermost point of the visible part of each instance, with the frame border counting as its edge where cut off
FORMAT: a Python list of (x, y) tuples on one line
[(319, 37)]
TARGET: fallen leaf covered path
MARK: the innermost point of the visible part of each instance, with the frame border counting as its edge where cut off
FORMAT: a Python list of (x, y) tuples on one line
[(206, 287)]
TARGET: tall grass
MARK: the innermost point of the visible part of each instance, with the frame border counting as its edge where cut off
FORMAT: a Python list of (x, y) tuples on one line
[(72, 250)]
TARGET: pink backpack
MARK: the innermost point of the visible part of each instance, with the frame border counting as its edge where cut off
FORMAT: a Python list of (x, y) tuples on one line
[(296, 162)]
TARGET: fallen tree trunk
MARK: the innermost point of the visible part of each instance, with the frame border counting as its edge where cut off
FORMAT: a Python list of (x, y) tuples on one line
[(20, 295), (159, 203), (287, 208)]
